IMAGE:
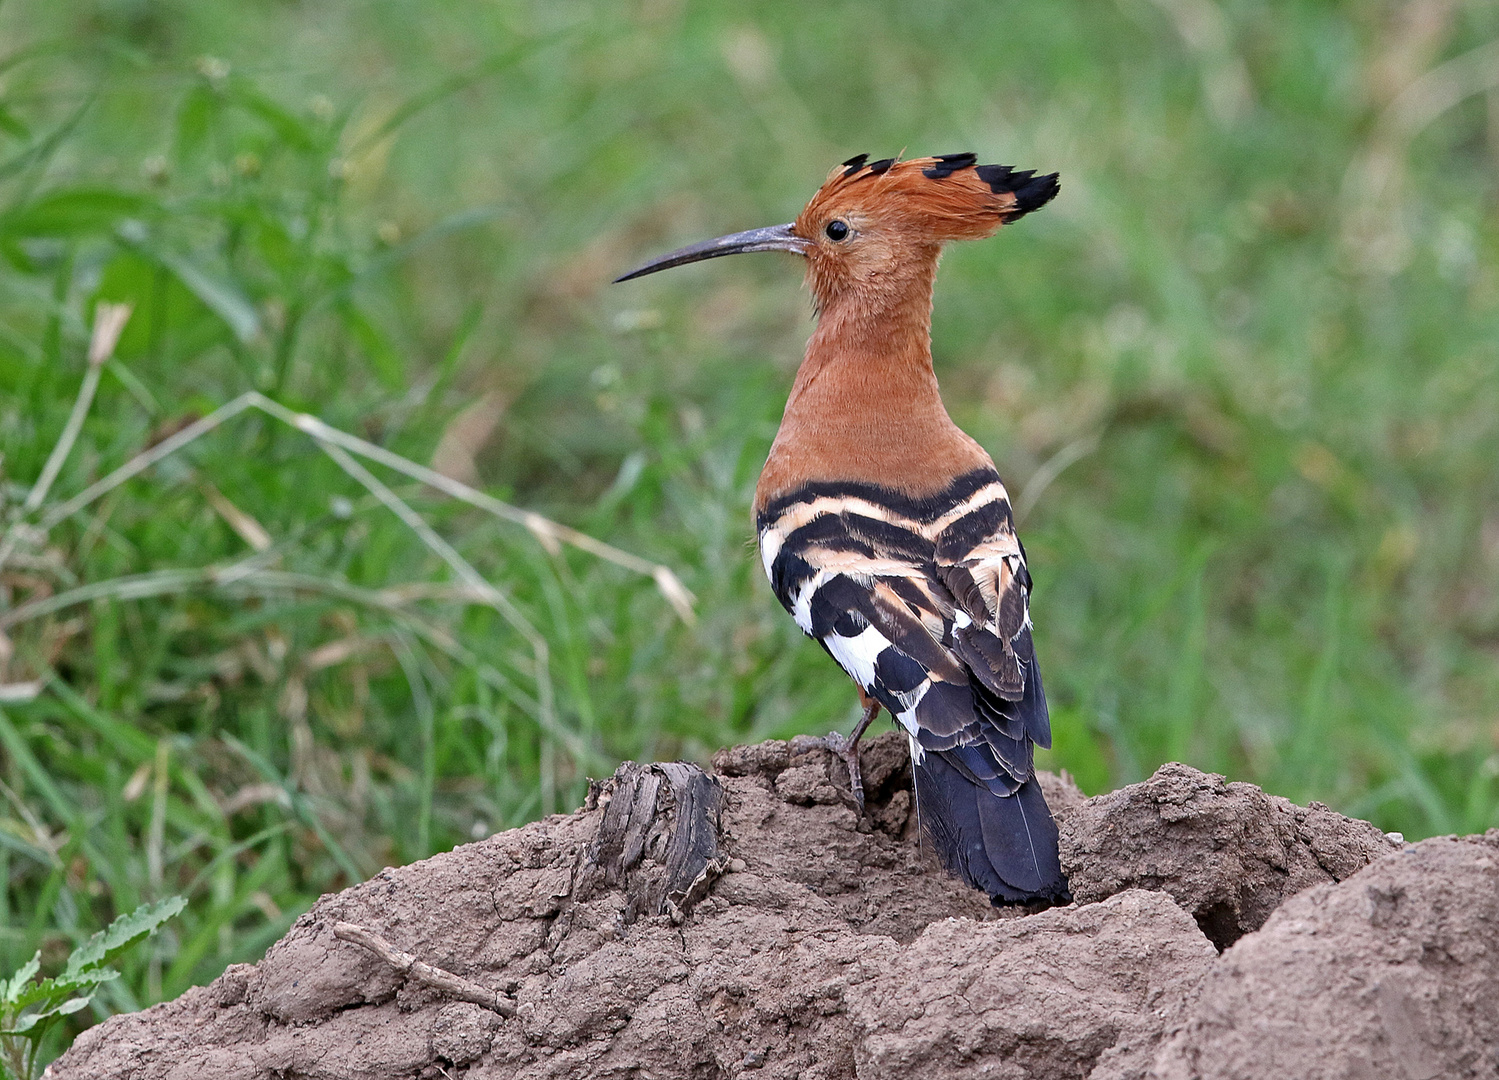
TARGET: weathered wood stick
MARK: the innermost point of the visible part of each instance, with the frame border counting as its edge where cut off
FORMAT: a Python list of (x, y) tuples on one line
[(445, 982)]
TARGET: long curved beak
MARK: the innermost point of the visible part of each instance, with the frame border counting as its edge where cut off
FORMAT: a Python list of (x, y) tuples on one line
[(770, 238)]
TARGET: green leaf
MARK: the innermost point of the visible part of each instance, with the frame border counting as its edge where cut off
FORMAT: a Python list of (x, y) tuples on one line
[(388, 363), (12, 124), (47, 992), (121, 934), (43, 148), (195, 119), (27, 1024), (289, 128), (73, 212), (46, 48), (221, 297), (10, 989), (11, 841)]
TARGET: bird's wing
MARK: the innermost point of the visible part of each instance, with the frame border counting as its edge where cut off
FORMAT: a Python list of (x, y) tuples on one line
[(867, 575), (981, 561)]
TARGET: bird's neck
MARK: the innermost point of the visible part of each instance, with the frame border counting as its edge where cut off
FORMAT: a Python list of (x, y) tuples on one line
[(888, 318), (865, 405)]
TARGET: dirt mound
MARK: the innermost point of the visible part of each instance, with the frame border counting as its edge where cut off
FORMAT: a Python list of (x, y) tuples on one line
[(752, 923), (1393, 973), (1228, 853)]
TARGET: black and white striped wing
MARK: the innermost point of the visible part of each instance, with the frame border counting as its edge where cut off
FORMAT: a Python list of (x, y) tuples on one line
[(981, 561), (924, 604)]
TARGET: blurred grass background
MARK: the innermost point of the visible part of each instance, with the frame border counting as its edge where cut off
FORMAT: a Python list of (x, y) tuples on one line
[(1242, 378)]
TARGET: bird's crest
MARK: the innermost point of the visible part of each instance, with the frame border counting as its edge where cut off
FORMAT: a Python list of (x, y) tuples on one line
[(948, 197)]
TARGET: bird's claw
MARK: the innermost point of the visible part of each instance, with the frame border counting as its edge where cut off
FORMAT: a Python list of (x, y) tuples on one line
[(848, 752)]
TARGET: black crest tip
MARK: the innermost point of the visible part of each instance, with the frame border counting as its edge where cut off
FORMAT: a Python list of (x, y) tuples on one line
[(947, 164), (879, 168), (1031, 191), (854, 164), (1035, 193)]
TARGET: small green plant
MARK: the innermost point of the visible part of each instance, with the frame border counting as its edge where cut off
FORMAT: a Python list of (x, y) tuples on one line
[(29, 1009)]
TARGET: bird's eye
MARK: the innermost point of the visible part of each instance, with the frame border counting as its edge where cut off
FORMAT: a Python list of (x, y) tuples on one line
[(837, 230)]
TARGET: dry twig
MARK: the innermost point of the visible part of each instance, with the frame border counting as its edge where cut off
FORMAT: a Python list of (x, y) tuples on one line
[(444, 982)]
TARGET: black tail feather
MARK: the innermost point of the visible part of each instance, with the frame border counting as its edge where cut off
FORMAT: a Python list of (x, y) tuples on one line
[(1005, 845)]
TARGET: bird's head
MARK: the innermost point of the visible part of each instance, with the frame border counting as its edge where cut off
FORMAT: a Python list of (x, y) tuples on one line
[(874, 224)]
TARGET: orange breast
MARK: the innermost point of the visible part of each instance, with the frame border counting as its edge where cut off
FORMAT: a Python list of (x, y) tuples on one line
[(869, 419)]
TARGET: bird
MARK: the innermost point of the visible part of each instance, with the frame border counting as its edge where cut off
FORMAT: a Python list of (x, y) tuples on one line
[(885, 529)]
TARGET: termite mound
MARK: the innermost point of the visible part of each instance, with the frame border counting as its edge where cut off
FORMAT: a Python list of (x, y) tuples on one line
[(749, 921)]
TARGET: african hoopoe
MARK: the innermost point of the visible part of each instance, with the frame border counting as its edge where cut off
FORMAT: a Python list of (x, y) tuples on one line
[(885, 530)]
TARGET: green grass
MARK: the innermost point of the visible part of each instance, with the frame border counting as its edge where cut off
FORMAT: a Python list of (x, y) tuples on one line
[(1242, 377)]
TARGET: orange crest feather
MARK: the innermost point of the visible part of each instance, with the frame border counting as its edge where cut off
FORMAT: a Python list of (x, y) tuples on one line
[(949, 197)]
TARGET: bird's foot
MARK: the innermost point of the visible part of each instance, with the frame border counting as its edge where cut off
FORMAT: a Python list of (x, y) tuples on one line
[(847, 750)]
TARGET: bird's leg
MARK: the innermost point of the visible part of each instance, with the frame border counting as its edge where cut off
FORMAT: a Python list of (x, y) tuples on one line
[(848, 749)]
